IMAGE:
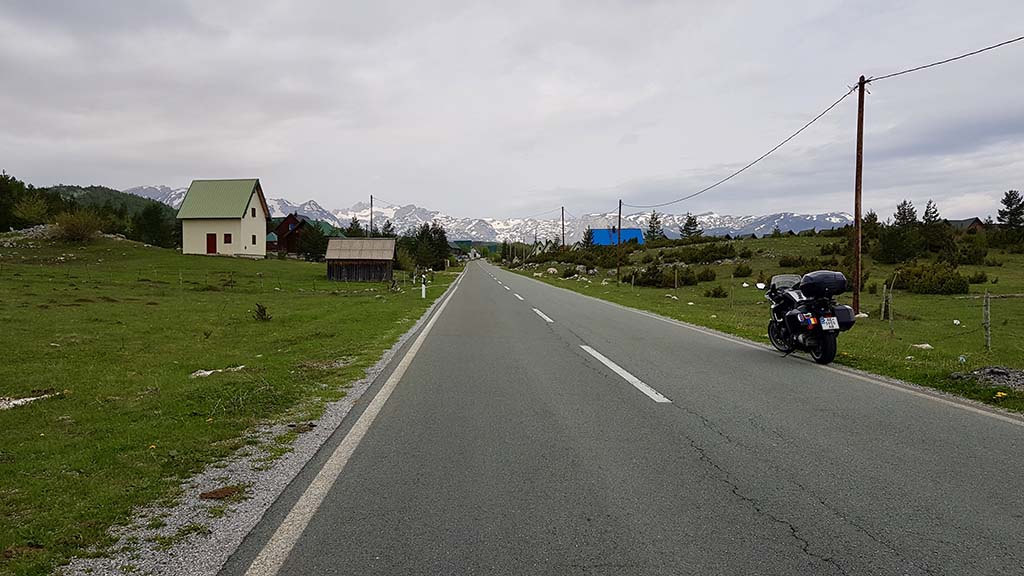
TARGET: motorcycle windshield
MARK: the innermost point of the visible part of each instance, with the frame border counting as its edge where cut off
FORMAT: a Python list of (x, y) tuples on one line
[(785, 281)]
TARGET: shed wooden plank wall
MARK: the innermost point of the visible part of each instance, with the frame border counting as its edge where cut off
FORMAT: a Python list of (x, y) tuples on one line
[(359, 270)]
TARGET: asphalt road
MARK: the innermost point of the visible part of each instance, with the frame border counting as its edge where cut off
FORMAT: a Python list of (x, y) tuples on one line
[(506, 447)]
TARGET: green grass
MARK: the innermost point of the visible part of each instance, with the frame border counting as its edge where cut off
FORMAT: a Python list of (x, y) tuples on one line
[(869, 346), (116, 329)]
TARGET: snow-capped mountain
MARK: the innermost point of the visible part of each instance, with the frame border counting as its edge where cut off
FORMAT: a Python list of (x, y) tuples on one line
[(164, 194), (525, 230)]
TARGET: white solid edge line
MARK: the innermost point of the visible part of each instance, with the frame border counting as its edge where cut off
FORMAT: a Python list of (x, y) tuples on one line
[(906, 388), (270, 559), (517, 295), (636, 382), (543, 315)]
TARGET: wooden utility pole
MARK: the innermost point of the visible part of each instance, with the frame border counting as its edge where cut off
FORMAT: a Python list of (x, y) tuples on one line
[(856, 196), (563, 226), (618, 247), (371, 217)]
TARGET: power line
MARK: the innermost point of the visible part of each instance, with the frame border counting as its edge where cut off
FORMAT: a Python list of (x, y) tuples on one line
[(946, 61), (759, 158)]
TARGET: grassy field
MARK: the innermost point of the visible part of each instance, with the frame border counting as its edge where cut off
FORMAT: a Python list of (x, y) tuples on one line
[(919, 319), (115, 329)]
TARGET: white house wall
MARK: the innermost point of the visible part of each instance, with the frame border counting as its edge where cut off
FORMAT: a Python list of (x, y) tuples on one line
[(253, 226), (194, 231)]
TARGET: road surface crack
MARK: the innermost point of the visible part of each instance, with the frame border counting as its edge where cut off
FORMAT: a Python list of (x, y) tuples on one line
[(726, 478)]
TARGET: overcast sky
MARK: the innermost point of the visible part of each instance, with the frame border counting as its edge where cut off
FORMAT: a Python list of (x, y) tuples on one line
[(511, 108)]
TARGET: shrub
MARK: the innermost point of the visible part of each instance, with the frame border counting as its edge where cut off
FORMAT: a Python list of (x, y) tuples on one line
[(745, 253), (932, 279), (762, 278), (828, 262), (833, 248), (716, 292), (993, 262), (706, 275), (873, 288), (742, 271), (78, 226), (260, 313), (404, 260), (978, 278), (793, 262), (568, 272)]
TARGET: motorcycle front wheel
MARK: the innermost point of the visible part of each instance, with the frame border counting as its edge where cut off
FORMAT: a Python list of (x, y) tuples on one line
[(776, 337), (824, 351)]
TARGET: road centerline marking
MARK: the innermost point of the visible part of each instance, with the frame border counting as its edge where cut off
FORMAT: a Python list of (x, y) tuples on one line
[(507, 288), (636, 382), (543, 315), (274, 553), (517, 296)]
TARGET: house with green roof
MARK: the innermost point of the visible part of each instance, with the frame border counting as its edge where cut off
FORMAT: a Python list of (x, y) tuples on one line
[(227, 217)]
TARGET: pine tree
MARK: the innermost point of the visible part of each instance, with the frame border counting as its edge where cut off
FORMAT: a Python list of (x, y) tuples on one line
[(937, 233), (355, 229), (654, 228), (588, 237), (691, 228), (1012, 215), (931, 213), (388, 229), (906, 215)]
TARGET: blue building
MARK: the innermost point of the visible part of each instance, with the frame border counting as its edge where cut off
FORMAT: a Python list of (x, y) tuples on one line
[(610, 236)]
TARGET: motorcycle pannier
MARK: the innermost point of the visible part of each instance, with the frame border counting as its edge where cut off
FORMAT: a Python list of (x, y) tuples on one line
[(823, 284), (844, 314)]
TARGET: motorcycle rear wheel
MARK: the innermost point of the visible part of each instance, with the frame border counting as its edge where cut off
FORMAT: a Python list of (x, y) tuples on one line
[(776, 338), (825, 351)]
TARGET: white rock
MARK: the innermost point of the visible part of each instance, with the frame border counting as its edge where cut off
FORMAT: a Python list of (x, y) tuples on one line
[(956, 322), (909, 358), (714, 315), (922, 346), (745, 285), (689, 303), (552, 270), (861, 315), (672, 296)]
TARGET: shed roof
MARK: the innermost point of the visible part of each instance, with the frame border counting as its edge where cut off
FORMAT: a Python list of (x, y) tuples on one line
[(220, 198), (361, 249)]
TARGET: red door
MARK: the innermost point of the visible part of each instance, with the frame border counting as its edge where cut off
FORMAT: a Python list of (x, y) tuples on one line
[(211, 243)]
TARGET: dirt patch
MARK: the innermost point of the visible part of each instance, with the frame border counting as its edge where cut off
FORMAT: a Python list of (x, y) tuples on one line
[(993, 376), (107, 299), (16, 551), (85, 300), (221, 493), (303, 427)]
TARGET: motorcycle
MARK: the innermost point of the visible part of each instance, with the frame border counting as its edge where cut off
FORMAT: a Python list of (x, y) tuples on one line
[(804, 313)]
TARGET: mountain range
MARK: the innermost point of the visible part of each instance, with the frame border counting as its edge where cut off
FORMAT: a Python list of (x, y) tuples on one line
[(524, 229)]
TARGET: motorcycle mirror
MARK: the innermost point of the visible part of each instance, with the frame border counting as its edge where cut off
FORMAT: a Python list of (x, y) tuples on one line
[(760, 285)]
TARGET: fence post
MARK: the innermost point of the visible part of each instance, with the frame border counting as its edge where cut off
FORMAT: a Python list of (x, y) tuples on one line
[(888, 309), (885, 286), (987, 321)]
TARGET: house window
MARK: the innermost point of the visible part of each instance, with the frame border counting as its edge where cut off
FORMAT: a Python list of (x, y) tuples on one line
[(227, 238), (254, 212), (253, 239)]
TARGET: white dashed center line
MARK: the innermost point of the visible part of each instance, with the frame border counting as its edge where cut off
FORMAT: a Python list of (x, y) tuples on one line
[(636, 382)]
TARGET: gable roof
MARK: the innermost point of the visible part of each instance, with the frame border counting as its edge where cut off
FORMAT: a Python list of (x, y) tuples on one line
[(965, 223), (361, 249), (609, 237), (220, 198)]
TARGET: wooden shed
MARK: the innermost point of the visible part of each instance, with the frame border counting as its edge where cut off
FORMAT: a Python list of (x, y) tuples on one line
[(360, 259)]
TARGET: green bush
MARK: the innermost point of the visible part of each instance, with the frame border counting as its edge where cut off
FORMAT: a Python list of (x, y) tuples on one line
[(978, 278), (873, 288), (742, 271), (568, 272), (745, 253), (706, 275), (404, 260), (993, 262), (716, 292), (704, 254), (794, 262), (78, 226), (936, 278)]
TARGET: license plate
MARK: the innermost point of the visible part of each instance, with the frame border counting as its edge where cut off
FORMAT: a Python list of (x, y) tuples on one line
[(829, 323)]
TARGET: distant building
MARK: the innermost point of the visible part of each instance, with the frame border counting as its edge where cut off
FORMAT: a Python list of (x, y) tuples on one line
[(610, 236), (224, 217), (967, 225), (360, 259)]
